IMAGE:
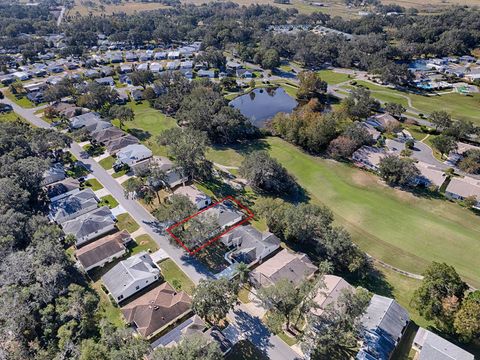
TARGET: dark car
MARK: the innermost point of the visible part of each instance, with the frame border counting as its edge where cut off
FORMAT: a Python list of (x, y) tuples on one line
[(5, 107)]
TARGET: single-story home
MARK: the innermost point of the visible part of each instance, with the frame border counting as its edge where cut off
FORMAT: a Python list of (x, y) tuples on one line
[(130, 276), (107, 134), (248, 245), (462, 188), (383, 121), (90, 226), (335, 286), (156, 67), (72, 205), (115, 145), (84, 120), (137, 94), (154, 311), (58, 189), (21, 75), (108, 80), (232, 65), (206, 73), (36, 97), (244, 74), (55, 173), (103, 250), (368, 157), (197, 197), (131, 57), (430, 346), (143, 66), (226, 214), (383, 325), (160, 55), (292, 266), (132, 154), (430, 175)]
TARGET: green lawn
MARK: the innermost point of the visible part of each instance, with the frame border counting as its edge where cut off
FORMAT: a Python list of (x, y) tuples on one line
[(176, 277), (94, 184), (125, 222), (401, 229), (107, 163), (10, 116), (461, 107), (107, 309), (147, 125), (109, 201), (144, 243), (332, 77), (21, 100)]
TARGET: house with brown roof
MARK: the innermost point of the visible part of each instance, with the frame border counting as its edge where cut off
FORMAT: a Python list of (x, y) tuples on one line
[(155, 310), (103, 250), (335, 286), (294, 267), (107, 134), (115, 145)]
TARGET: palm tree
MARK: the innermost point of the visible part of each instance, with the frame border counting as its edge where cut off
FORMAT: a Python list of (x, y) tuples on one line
[(242, 270)]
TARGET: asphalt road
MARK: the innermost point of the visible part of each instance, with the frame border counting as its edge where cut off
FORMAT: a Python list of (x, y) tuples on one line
[(193, 268)]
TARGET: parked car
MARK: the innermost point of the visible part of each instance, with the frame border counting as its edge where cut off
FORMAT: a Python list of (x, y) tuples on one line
[(5, 108)]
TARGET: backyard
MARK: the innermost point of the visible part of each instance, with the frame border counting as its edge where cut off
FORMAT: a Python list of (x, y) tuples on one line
[(147, 125)]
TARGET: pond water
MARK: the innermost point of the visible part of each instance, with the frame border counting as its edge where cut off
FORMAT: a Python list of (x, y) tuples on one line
[(261, 105)]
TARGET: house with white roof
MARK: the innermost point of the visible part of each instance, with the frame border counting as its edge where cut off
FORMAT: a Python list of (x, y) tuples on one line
[(430, 346), (132, 154), (130, 276), (197, 197), (462, 188)]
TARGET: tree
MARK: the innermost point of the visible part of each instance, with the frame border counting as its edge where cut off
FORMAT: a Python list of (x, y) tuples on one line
[(467, 319), (266, 174), (460, 129), (141, 78), (193, 347), (188, 147), (397, 171), (342, 148), (149, 93), (133, 187), (440, 119), (178, 208), (444, 144), (270, 59), (228, 83), (395, 109), (242, 271), (359, 104), (122, 113), (213, 299), (334, 334), (287, 300), (441, 288), (310, 85), (470, 162)]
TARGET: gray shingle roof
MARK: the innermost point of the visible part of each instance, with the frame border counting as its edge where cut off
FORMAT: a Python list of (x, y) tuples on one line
[(73, 204), (136, 267), (434, 347), (89, 223)]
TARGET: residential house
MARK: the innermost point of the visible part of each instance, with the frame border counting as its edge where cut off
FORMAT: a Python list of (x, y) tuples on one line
[(244, 74), (130, 276), (55, 173), (67, 110), (107, 70), (368, 157), (36, 97), (116, 58), (172, 65), (115, 145), (173, 55), (372, 130), (192, 326), (92, 74), (174, 176), (335, 286), (103, 250), (186, 65), (21, 75), (225, 213), (383, 122), (430, 175), (137, 95), (156, 67), (154, 311), (131, 57), (206, 73), (233, 66), (146, 56), (143, 66), (59, 188), (248, 245), (90, 225), (72, 205), (197, 197), (107, 134), (430, 346), (132, 154), (161, 55), (462, 188), (125, 68), (294, 267), (85, 120), (108, 81), (384, 324)]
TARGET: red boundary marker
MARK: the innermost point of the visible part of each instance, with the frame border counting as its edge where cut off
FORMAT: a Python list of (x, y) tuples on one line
[(192, 252)]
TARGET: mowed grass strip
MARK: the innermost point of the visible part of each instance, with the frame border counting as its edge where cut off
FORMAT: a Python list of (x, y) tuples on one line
[(401, 229), (176, 277), (126, 222)]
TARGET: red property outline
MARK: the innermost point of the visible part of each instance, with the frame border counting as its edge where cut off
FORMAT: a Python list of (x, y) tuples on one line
[(231, 198)]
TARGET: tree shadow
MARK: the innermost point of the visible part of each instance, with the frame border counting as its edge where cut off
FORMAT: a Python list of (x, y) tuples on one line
[(375, 282), (140, 134)]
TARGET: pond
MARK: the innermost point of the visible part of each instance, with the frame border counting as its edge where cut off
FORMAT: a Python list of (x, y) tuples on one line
[(261, 105)]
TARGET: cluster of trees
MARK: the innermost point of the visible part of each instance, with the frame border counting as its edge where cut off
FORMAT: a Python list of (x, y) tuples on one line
[(470, 162), (397, 170), (445, 299), (336, 131), (266, 174), (312, 225)]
